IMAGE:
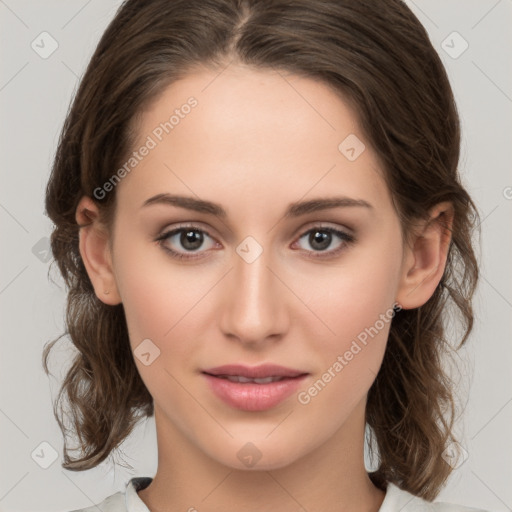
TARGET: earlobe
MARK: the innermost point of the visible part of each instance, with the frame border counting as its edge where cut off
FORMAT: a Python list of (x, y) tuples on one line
[(425, 258), (95, 252)]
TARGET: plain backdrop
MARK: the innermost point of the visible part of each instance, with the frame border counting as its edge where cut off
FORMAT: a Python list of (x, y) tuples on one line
[(35, 91)]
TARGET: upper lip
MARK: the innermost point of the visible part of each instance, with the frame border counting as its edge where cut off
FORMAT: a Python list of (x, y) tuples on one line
[(254, 372)]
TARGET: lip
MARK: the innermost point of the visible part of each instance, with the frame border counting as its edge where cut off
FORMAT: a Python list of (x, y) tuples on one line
[(254, 372), (253, 396)]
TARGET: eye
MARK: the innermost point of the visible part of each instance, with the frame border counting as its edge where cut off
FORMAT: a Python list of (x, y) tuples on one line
[(321, 238), (190, 238)]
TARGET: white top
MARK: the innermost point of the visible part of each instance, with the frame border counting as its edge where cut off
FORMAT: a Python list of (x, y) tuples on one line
[(396, 500)]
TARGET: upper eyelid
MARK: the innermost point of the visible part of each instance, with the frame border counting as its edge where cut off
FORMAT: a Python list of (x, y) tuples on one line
[(168, 230), (318, 224), (323, 225)]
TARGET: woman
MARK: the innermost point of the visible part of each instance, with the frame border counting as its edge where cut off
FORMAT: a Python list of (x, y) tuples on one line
[(260, 220)]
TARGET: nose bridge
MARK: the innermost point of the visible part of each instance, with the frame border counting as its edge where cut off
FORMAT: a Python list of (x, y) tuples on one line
[(255, 308)]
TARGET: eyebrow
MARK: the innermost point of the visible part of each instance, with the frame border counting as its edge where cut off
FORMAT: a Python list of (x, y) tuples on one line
[(294, 209)]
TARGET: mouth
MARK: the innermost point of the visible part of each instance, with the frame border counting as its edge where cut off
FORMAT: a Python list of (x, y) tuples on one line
[(254, 373), (240, 378), (253, 388)]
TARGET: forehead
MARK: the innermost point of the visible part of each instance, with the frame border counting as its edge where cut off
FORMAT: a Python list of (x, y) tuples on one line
[(243, 132)]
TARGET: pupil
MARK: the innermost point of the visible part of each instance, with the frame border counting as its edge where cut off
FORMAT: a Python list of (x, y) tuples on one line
[(191, 240), (321, 237)]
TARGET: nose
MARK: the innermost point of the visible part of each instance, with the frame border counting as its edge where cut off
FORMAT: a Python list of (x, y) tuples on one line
[(255, 305)]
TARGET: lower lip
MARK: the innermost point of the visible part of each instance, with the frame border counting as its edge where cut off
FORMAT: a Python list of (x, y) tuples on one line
[(251, 396)]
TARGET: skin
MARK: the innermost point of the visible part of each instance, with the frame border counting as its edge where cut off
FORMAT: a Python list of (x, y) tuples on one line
[(256, 142)]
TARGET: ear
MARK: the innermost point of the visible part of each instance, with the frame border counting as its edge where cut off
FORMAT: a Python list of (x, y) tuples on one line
[(425, 257), (95, 251)]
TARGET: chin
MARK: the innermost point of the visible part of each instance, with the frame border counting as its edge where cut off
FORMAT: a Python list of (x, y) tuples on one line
[(258, 455)]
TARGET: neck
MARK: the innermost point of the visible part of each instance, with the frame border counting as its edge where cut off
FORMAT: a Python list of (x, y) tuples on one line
[(332, 478)]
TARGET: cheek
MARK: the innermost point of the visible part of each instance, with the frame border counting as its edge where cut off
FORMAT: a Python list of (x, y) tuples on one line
[(158, 297), (354, 297), (161, 305), (348, 365), (356, 315)]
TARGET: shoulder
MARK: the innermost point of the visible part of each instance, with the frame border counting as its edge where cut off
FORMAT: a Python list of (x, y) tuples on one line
[(398, 499), (123, 501), (114, 503)]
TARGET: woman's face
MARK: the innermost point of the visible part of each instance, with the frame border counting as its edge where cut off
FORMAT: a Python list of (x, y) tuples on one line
[(268, 281)]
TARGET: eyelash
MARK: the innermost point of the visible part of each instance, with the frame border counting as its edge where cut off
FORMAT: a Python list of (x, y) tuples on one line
[(345, 237)]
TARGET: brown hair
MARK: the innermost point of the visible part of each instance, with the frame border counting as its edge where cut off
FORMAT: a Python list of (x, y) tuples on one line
[(378, 56)]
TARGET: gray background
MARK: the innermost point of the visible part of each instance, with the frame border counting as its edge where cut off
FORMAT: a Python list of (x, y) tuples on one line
[(34, 97)]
